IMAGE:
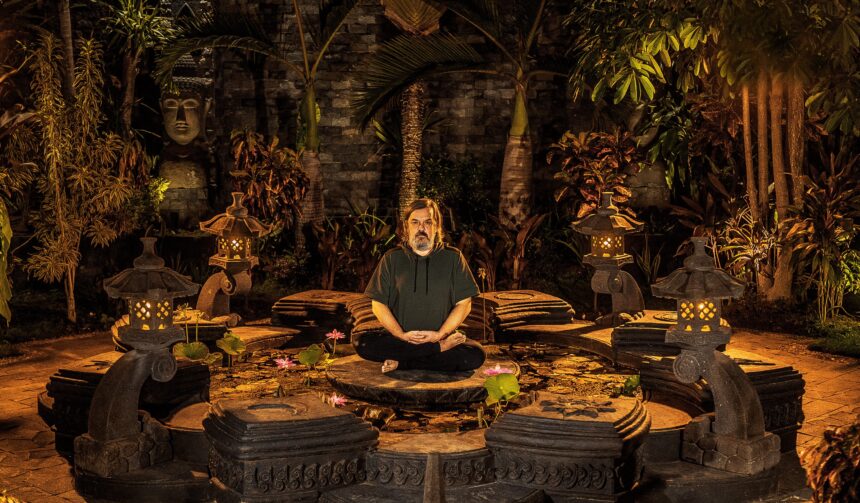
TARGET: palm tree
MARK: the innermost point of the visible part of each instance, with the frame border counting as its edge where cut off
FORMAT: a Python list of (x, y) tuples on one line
[(513, 31), (247, 34), (417, 18)]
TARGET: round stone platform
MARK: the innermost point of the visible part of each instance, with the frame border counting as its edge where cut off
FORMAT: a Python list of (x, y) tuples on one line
[(363, 380)]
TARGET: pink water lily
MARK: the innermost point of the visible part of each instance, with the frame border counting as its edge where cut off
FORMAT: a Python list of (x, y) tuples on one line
[(336, 334), (498, 369), (337, 400), (284, 363)]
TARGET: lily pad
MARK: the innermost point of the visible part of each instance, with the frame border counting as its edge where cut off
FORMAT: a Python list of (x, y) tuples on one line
[(231, 344), (194, 351), (501, 387), (311, 356)]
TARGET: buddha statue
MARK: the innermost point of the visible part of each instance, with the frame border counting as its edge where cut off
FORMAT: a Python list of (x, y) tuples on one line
[(186, 158)]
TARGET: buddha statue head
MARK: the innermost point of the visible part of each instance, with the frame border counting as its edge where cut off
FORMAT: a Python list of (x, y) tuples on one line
[(185, 106)]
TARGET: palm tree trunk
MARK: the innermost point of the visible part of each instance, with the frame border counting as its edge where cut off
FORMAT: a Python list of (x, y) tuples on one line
[(795, 139), (516, 184), (748, 156), (411, 131), (782, 277), (129, 73), (69, 287), (761, 138), (68, 48)]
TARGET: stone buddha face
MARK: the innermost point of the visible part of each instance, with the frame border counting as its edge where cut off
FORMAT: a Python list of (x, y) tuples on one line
[(184, 116)]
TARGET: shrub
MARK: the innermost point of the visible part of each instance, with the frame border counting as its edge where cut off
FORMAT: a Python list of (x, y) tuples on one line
[(833, 466), (840, 335)]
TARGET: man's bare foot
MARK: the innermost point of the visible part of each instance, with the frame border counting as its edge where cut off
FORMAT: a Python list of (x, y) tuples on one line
[(389, 365), (455, 339)]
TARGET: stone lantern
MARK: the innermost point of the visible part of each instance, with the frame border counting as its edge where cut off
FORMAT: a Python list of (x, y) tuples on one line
[(607, 228), (734, 438), (116, 441), (235, 231)]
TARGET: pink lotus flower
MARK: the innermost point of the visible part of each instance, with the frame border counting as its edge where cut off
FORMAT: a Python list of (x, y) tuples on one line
[(498, 370), (335, 334), (337, 400), (284, 363)]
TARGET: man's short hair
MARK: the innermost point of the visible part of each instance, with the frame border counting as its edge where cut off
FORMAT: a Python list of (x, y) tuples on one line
[(435, 215)]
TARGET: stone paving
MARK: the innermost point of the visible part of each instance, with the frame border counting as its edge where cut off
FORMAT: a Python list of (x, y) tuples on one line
[(31, 470)]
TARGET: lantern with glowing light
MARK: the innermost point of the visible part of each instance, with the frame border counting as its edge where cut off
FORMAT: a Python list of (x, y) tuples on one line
[(699, 289), (113, 425), (235, 231), (607, 228)]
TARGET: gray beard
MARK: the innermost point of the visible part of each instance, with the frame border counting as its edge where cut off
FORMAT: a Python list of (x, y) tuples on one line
[(421, 243)]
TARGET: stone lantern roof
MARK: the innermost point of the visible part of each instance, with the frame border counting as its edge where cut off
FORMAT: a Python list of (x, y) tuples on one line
[(149, 278), (698, 279), (607, 220), (235, 222)]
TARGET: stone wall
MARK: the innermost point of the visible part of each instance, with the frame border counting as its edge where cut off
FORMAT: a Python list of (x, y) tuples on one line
[(476, 108)]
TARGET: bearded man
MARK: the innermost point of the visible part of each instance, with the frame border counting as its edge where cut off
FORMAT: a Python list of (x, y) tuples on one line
[(421, 292)]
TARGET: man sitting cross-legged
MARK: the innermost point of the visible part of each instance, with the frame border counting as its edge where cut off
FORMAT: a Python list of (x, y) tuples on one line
[(421, 292)]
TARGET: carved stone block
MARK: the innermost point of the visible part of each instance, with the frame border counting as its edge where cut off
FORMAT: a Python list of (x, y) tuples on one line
[(571, 447), (737, 455), (116, 457), (289, 449)]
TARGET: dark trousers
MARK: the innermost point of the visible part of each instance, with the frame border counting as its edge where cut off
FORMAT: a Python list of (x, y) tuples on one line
[(381, 346)]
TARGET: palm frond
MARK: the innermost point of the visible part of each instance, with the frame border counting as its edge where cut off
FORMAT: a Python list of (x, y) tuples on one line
[(483, 15), (333, 14), (418, 17), (404, 60), (238, 32)]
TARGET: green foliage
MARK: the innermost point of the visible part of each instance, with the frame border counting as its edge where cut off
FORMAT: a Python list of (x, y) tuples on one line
[(231, 344), (460, 188), (194, 351), (749, 246), (832, 466), (137, 24), (75, 162), (352, 245), (649, 261), (501, 388), (311, 355), (630, 385), (823, 233), (270, 176), (589, 163), (839, 335)]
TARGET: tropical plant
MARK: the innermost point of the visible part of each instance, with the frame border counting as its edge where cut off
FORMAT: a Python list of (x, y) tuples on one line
[(232, 346), (516, 245), (416, 18), (749, 247), (329, 246), (832, 466), (75, 161), (137, 25), (487, 255), (649, 261), (512, 28), (502, 386), (247, 34), (775, 46), (705, 215), (590, 163), (823, 234), (366, 239), (270, 176), (459, 186)]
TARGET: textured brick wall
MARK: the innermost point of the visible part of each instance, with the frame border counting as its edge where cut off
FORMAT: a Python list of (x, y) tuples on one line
[(477, 108)]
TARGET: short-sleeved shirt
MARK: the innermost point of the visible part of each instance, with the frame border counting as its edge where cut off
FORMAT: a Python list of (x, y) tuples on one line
[(421, 291)]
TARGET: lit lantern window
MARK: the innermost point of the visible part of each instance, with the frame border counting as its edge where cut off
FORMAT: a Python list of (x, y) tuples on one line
[(235, 230), (148, 314), (607, 228)]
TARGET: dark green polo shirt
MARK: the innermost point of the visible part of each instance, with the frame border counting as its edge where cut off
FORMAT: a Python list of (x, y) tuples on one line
[(421, 291)]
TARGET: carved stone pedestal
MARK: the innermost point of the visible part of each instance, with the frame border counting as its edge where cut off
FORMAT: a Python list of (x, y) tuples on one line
[(66, 404), (127, 454), (289, 449), (572, 448), (745, 456)]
